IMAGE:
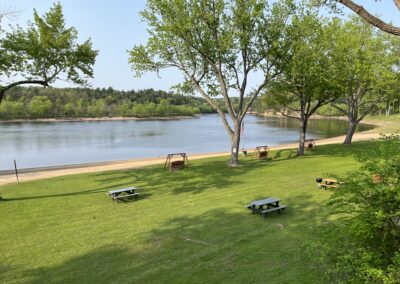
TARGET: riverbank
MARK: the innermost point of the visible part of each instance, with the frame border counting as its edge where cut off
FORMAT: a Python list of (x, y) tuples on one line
[(48, 172), (379, 122)]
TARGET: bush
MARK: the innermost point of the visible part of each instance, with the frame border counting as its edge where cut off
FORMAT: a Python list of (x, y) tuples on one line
[(364, 244)]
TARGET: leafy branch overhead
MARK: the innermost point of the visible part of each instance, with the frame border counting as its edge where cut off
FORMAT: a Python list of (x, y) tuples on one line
[(365, 14), (45, 51)]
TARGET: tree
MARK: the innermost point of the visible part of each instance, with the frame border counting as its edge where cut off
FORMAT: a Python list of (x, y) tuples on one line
[(364, 62), (218, 46), (44, 52), (40, 106), (305, 82)]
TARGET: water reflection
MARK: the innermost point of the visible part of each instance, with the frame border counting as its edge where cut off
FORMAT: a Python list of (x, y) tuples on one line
[(57, 143)]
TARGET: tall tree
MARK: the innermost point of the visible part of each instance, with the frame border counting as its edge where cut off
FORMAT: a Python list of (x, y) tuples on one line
[(305, 83), (365, 62), (44, 52), (218, 46)]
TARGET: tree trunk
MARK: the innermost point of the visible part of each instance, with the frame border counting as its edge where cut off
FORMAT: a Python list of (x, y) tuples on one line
[(388, 109), (350, 132), (302, 137), (235, 143), (1, 95)]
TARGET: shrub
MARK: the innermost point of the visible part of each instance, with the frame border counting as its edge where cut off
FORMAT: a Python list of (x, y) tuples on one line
[(364, 244)]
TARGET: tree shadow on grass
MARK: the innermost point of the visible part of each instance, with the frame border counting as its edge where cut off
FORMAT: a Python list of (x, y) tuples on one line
[(67, 194), (338, 150), (223, 245), (200, 176)]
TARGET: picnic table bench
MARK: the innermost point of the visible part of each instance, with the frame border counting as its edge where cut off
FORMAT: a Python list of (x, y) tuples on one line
[(129, 192), (328, 183), (265, 206)]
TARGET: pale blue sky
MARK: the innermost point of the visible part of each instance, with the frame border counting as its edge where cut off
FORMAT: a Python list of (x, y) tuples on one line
[(115, 27)]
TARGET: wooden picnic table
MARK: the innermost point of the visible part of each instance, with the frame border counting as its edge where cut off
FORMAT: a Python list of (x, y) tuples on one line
[(129, 192), (265, 206), (329, 183)]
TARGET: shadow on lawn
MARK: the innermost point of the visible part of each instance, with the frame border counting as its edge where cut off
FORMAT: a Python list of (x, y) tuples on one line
[(75, 193), (200, 176), (356, 149), (217, 246)]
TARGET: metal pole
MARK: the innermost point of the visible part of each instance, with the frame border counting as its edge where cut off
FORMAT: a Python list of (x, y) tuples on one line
[(16, 170)]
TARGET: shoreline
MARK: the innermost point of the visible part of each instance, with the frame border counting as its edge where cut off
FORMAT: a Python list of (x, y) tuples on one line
[(57, 171), (317, 117)]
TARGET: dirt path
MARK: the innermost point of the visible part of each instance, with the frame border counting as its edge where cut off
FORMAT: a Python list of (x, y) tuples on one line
[(42, 173)]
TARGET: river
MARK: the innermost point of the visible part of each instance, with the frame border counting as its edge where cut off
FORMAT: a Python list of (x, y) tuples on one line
[(39, 144)]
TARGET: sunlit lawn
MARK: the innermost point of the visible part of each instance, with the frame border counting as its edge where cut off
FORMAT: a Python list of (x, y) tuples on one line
[(189, 227)]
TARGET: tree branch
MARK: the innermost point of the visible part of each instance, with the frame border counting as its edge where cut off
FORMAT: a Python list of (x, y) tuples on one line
[(23, 82), (339, 109), (363, 13), (289, 116)]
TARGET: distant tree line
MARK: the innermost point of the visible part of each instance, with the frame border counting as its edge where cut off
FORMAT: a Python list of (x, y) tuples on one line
[(36, 102)]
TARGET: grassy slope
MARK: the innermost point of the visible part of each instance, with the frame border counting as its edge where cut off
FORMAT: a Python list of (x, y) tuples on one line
[(190, 227), (388, 124)]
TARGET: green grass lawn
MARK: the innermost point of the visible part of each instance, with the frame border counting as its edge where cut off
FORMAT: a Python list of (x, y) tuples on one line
[(190, 226)]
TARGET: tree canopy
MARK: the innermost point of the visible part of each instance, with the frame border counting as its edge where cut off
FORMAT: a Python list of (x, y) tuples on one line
[(44, 52), (305, 82), (366, 61)]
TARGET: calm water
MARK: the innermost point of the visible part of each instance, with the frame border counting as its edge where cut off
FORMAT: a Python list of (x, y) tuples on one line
[(37, 144)]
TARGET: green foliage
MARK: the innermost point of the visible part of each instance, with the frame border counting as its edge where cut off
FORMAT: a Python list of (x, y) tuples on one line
[(20, 103), (306, 82), (40, 107), (329, 110), (365, 244), (44, 52), (365, 66)]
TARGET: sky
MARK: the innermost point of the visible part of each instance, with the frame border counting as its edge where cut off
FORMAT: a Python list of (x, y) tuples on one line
[(115, 27)]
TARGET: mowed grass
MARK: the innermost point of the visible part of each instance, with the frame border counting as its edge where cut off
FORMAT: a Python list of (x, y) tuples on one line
[(189, 226)]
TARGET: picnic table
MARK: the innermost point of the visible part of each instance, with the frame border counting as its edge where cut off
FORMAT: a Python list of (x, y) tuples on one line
[(265, 206), (328, 183), (128, 192)]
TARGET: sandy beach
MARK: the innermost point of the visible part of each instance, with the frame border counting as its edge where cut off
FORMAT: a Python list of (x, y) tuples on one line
[(48, 172)]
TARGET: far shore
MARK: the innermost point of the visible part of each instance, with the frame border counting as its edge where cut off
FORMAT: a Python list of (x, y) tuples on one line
[(49, 172), (103, 118)]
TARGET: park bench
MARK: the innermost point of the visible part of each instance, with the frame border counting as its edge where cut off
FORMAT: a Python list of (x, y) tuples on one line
[(278, 209)]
